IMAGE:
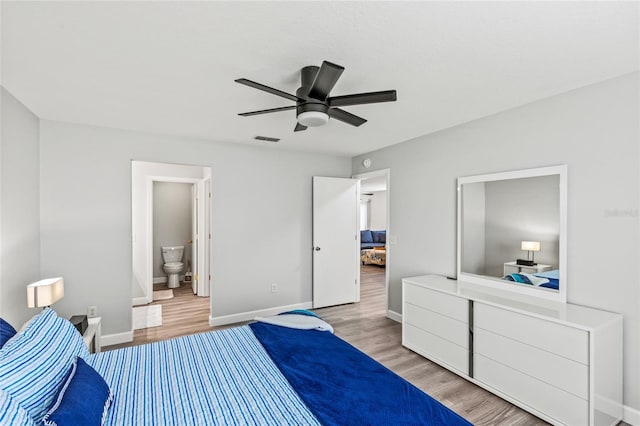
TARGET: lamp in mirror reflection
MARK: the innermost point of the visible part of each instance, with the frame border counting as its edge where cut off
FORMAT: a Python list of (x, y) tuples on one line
[(530, 247), (44, 293)]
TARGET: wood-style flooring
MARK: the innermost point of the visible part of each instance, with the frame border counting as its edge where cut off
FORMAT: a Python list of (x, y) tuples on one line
[(184, 314), (365, 326)]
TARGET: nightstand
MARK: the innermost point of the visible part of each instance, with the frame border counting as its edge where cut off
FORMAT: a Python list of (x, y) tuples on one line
[(514, 268), (92, 334)]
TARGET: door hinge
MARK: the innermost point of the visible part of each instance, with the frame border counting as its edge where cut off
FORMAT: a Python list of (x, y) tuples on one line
[(209, 235), (209, 277), (209, 195), (196, 277), (355, 282)]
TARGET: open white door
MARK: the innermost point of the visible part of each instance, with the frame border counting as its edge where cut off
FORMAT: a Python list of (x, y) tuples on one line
[(335, 239), (195, 243)]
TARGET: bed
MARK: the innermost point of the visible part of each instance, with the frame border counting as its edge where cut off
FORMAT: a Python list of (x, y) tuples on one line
[(547, 279), (257, 374)]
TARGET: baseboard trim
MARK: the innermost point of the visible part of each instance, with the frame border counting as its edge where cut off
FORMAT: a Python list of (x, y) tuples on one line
[(116, 338), (631, 416), (137, 301), (248, 316), (394, 315)]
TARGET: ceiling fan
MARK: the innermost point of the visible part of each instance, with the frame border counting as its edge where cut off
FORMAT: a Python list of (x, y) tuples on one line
[(313, 105)]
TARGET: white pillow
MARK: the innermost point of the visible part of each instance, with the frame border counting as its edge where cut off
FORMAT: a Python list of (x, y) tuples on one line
[(35, 362), (301, 322)]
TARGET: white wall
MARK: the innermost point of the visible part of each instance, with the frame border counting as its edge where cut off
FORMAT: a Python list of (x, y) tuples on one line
[(594, 130), (261, 217), (473, 229), (19, 208), (378, 211), (171, 222), (365, 211), (519, 210)]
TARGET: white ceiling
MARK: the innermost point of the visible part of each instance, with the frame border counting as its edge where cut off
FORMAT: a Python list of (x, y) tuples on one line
[(168, 67)]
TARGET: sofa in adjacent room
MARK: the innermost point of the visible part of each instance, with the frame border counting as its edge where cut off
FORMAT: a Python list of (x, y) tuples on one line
[(370, 239)]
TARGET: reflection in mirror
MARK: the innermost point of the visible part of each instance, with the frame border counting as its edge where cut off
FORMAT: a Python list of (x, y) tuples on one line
[(511, 231)]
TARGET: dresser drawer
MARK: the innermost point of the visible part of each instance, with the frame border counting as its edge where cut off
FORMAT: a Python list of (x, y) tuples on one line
[(436, 348), (442, 326), (563, 373), (560, 405), (444, 304), (552, 337)]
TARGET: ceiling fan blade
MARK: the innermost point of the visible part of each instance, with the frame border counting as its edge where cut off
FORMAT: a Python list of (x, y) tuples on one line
[(362, 98), (346, 117), (326, 78), (268, 89), (266, 111), (299, 127)]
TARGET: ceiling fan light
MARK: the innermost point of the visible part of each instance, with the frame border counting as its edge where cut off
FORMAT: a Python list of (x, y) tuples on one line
[(313, 118)]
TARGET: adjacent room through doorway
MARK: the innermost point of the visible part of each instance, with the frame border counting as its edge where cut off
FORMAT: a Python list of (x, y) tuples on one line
[(373, 233), (171, 222)]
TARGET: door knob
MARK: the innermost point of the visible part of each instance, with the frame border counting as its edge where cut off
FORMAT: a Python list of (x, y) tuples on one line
[(317, 248)]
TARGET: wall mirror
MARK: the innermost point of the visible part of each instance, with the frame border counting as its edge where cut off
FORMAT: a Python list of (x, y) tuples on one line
[(512, 231)]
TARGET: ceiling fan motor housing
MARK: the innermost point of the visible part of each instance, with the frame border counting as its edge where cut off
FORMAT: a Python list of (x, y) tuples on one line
[(311, 112), (307, 75)]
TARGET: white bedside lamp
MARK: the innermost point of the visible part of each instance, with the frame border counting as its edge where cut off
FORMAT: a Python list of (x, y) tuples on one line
[(530, 247), (45, 292)]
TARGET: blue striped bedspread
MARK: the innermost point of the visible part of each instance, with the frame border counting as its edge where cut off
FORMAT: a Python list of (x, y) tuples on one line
[(216, 378)]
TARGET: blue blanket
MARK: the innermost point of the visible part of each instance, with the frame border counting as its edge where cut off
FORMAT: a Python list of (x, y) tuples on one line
[(553, 277), (321, 368)]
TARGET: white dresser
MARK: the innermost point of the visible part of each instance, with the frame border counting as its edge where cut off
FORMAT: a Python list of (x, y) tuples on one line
[(561, 362)]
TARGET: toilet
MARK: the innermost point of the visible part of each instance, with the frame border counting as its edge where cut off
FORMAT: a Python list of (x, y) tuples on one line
[(172, 257)]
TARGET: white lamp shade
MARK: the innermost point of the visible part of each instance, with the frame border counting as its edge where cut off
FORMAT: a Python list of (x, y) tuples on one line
[(45, 292), (530, 246), (313, 118)]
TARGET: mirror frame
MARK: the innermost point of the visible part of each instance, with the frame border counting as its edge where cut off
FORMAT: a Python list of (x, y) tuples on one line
[(496, 283)]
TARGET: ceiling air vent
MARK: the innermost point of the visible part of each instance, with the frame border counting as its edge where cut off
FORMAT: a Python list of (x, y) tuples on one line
[(266, 138)]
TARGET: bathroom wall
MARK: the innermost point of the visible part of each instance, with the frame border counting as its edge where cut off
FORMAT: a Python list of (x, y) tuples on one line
[(172, 219)]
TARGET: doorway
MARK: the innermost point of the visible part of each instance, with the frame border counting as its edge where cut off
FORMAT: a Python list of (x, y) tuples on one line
[(171, 210), (374, 223), (174, 221)]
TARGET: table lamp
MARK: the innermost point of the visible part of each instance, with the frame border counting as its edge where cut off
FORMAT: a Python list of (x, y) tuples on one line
[(45, 292), (530, 247)]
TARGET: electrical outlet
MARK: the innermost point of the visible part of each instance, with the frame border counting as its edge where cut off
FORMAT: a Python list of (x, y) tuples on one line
[(92, 311), (274, 288)]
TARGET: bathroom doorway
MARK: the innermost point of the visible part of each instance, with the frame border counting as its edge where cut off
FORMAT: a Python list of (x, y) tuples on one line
[(174, 214), (171, 209)]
